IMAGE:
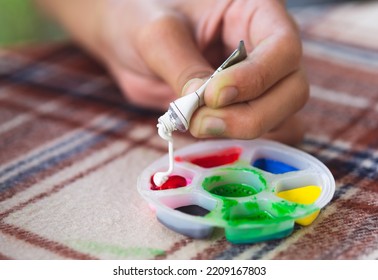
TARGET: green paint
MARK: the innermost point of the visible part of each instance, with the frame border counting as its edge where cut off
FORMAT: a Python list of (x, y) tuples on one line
[(233, 190), (212, 179), (215, 131), (253, 217), (94, 247), (233, 212), (252, 205), (227, 205), (230, 188), (256, 211), (245, 213), (284, 207)]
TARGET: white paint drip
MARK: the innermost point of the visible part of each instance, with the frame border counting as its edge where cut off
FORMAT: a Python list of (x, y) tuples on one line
[(161, 177), (181, 110)]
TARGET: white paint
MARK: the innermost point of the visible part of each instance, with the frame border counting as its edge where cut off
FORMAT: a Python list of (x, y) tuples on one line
[(181, 110), (161, 177), (178, 117)]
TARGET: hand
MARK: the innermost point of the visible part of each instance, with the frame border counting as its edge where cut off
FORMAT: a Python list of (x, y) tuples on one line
[(259, 96), (153, 48)]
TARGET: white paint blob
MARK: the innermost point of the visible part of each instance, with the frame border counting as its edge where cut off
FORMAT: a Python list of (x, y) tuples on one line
[(161, 177)]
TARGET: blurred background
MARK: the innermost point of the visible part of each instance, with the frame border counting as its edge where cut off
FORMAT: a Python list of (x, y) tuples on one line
[(22, 23)]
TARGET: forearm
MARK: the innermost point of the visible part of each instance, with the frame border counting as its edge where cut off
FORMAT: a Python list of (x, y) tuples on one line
[(80, 18)]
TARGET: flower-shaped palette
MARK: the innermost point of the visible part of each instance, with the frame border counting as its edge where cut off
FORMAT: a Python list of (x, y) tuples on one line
[(256, 189)]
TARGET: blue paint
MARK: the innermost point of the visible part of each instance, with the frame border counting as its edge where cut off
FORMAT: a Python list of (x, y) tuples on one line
[(273, 166)]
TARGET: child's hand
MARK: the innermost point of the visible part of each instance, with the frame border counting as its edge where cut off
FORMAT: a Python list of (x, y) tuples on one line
[(153, 48)]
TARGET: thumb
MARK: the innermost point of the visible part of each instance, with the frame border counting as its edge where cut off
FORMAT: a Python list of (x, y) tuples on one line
[(168, 48)]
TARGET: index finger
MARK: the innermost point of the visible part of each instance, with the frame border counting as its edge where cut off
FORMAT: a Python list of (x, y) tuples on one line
[(169, 49)]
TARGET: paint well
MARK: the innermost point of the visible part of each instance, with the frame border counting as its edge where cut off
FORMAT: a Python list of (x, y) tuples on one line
[(214, 159), (273, 166), (233, 190), (304, 195), (250, 212), (194, 210), (173, 182), (235, 182)]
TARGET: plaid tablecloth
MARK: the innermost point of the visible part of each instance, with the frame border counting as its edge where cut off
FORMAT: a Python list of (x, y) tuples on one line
[(71, 149)]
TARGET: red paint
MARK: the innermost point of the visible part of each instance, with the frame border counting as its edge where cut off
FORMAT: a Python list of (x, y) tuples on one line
[(217, 158), (173, 182)]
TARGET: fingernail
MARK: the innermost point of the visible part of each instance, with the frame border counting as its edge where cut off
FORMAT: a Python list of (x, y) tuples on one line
[(192, 85), (212, 126), (227, 95)]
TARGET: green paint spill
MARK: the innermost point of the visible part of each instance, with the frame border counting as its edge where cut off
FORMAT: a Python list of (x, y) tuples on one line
[(252, 206), (212, 179), (284, 207), (233, 212), (245, 213), (93, 247), (227, 205), (233, 190), (253, 217), (260, 217), (255, 211)]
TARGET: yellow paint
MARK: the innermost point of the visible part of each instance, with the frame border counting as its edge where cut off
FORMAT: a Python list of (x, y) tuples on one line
[(303, 195), (308, 219)]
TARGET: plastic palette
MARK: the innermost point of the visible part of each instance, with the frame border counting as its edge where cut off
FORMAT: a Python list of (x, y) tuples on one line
[(256, 190)]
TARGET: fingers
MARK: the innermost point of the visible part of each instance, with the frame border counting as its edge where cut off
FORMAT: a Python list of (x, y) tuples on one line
[(254, 118), (275, 52), (167, 46), (290, 132), (143, 90)]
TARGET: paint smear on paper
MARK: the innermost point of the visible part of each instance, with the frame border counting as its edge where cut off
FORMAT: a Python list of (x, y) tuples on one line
[(97, 248)]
